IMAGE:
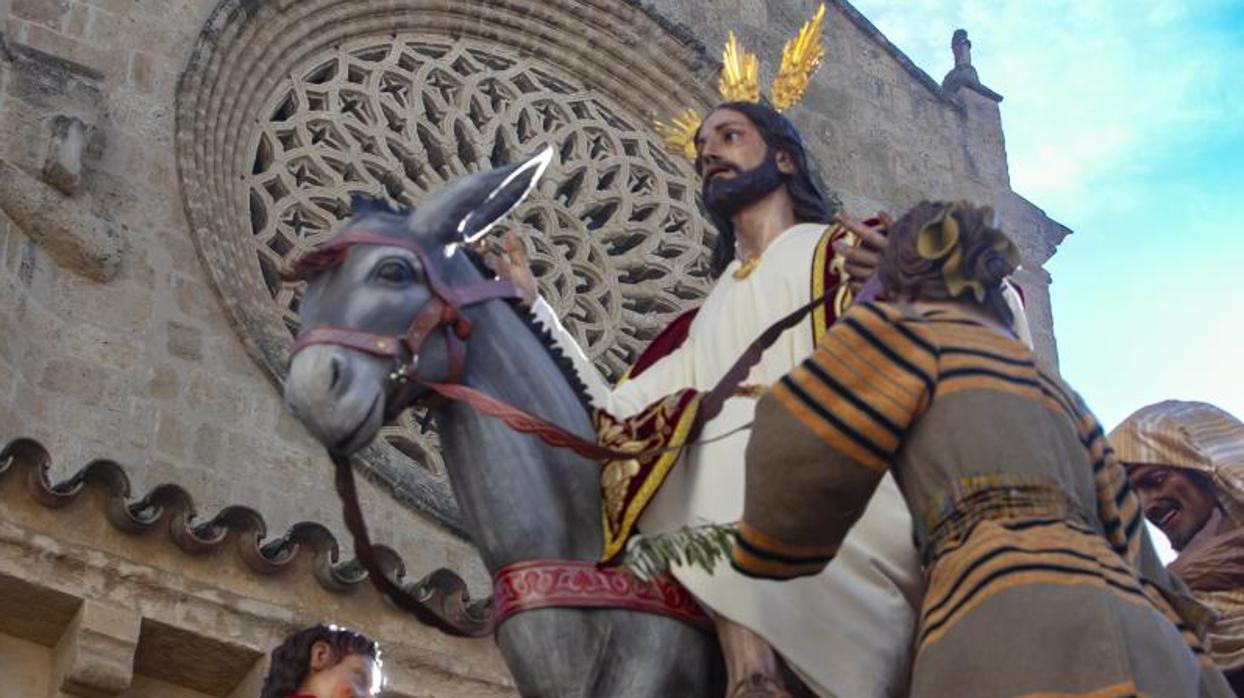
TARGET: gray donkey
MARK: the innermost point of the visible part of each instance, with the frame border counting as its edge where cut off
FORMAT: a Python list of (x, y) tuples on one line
[(520, 498)]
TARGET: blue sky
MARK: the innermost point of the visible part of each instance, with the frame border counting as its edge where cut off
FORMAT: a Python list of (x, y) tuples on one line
[(1124, 120)]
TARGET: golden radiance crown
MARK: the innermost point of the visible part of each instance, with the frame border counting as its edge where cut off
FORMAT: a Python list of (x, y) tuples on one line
[(740, 82)]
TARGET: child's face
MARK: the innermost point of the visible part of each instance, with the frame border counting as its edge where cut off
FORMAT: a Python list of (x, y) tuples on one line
[(353, 677)]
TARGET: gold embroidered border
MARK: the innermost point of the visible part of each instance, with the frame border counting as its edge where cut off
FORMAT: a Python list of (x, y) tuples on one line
[(820, 260), (615, 540)]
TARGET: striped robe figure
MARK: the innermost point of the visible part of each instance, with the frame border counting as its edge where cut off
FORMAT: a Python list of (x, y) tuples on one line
[(1041, 580)]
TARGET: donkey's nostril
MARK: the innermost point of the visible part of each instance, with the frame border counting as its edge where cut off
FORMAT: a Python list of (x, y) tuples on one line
[(334, 365)]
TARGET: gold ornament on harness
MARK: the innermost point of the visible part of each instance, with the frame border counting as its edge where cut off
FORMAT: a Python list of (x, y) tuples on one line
[(740, 82)]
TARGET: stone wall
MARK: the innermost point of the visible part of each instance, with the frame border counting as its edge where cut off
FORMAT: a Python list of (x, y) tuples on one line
[(118, 340)]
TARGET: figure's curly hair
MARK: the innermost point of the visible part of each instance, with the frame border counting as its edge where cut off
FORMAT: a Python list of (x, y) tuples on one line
[(291, 659), (909, 276)]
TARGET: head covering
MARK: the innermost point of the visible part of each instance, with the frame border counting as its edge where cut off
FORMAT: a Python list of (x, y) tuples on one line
[(1189, 435), (1201, 437)]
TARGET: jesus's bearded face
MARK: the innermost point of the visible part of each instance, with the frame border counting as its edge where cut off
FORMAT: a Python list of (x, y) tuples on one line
[(737, 166)]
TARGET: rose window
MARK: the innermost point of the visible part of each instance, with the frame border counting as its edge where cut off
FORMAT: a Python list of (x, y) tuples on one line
[(613, 233)]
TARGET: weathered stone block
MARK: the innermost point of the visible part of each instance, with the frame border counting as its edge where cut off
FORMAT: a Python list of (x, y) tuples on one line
[(73, 377), (45, 12), (171, 434), (210, 393), (104, 28), (77, 21), (31, 403), (107, 348), (62, 46), (114, 6), (75, 238), (207, 443), (194, 298), (143, 73), (95, 657), (165, 383), (184, 341)]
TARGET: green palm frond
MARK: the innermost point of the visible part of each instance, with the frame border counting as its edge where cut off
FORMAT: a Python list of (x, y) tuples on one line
[(699, 546)]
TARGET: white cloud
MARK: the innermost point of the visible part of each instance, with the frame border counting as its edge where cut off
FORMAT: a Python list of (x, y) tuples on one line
[(1093, 88)]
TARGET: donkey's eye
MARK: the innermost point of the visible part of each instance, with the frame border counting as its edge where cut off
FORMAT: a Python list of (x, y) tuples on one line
[(395, 271)]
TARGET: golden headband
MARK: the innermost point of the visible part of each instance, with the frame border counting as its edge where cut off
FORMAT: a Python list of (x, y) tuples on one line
[(740, 82)]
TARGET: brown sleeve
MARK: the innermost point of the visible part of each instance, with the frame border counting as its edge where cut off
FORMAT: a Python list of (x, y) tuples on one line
[(801, 498), (823, 437)]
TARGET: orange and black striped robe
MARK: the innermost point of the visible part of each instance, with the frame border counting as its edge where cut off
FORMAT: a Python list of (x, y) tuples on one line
[(1041, 578)]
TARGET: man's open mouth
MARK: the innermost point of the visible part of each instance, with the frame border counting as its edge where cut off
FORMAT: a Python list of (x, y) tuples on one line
[(1163, 512), (715, 171)]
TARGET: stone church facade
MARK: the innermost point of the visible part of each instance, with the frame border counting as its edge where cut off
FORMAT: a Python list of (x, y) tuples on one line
[(163, 521)]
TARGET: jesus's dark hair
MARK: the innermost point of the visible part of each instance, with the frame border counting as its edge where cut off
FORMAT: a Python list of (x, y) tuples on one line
[(812, 202), (291, 660)]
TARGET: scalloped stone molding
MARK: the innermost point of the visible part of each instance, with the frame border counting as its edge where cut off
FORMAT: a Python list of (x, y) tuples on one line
[(245, 527)]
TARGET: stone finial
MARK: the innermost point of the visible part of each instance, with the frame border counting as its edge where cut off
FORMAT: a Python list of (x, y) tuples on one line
[(961, 47), (964, 74)]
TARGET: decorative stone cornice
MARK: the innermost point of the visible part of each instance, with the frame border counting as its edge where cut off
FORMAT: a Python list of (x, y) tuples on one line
[(174, 507)]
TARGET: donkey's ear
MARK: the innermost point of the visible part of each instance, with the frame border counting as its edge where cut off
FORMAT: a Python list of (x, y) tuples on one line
[(468, 207)]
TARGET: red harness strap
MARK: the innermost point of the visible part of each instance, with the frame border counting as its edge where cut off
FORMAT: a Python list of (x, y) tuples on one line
[(532, 584), (442, 310)]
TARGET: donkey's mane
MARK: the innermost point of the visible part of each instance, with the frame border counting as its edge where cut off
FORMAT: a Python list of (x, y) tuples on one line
[(545, 337), (563, 363)]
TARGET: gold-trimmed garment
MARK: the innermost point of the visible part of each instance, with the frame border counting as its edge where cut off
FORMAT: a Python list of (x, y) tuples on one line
[(627, 486)]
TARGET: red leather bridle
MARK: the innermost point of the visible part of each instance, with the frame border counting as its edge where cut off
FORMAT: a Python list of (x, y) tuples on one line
[(442, 310)]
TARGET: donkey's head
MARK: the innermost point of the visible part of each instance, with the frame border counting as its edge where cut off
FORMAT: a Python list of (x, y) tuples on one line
[(381, 308)]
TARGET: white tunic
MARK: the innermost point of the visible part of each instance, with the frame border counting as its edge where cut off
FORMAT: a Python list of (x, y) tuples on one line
[(847, 630)]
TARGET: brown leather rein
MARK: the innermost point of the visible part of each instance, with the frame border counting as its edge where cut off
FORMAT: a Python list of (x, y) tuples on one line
[(443, 310)]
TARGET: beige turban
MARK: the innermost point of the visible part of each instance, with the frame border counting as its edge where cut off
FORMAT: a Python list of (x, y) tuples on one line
[(1191, 435), (1201, 437)]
